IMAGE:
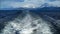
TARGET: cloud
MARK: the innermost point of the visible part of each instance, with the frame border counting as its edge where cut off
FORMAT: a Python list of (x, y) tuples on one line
[(29, 4), (54, 4)]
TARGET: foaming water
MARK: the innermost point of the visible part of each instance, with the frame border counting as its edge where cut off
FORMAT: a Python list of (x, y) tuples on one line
[(28, 25)]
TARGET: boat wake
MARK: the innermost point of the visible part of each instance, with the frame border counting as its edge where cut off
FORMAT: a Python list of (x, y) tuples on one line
[(27, 25)]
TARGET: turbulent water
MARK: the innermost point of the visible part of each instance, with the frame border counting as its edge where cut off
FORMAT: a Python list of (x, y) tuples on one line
[(27, 25)]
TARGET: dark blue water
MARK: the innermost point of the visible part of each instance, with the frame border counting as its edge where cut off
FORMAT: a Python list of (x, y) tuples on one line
[(8, 15)]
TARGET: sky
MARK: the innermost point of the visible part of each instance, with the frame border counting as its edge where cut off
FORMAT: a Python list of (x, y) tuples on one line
[(10, 4)]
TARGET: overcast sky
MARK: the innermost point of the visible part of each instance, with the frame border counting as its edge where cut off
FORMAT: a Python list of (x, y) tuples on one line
[(28, 3)]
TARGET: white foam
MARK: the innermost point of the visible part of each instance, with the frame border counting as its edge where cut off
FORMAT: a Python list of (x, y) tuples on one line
[(24, 26)]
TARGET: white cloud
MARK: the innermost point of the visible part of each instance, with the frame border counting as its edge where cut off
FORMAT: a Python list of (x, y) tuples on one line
[(55, 3), (28, 4)]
